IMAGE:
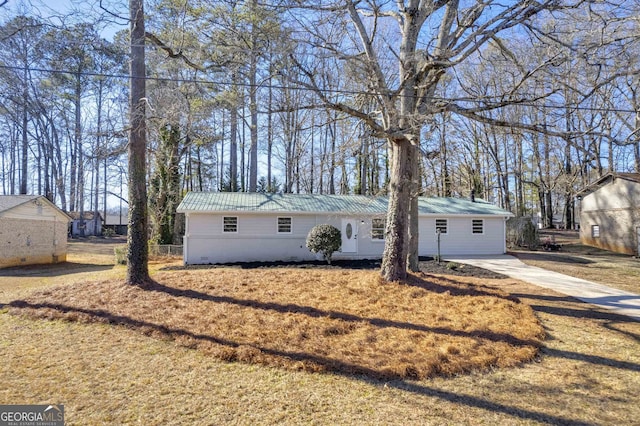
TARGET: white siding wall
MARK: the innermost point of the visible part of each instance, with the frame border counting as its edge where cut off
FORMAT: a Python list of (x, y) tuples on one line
[(459, 239), (257, 238)]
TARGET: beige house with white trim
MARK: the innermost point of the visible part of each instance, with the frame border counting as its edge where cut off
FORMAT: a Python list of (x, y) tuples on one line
[(610, 213), (33, 230)]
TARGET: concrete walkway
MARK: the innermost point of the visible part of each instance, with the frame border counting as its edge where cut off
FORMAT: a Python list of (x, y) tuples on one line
[(618, 301)]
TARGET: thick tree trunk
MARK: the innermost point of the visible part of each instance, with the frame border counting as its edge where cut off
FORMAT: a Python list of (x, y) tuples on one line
[(413, 257), (394, 259), (137, 248)]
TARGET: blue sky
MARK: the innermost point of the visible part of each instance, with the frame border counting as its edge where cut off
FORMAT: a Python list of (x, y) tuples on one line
[(71, 11), (39, 7)]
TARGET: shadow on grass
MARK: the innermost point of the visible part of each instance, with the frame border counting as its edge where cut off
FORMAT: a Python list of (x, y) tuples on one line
[(614, 326), (52, 270), (610, 320), (454, 287), (552, 257), (583, 309), (591, 359), (485, 404), (320, 313), (349, 370)]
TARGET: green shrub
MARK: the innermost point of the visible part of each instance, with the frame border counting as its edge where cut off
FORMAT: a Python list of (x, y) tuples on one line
[(530, 236), (121, 254), (452, 266), (325, 239), (108, 232), (521, 232)]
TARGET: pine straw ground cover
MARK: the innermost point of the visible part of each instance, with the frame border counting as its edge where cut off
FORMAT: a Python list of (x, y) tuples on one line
[(318, 320)]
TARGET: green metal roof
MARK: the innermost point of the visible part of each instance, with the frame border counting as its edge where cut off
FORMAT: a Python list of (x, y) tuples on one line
[(227, 202), (457, 206)]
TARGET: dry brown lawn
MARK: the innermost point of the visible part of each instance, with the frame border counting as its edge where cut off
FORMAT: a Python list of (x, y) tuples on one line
[(117, 367)]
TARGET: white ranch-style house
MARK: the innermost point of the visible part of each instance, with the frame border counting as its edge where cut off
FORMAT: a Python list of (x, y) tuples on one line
[(228, 227)]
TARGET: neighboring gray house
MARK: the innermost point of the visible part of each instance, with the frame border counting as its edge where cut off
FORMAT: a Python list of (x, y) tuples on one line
[(32, 231), (610, 213), (88, 225), (224, 227)]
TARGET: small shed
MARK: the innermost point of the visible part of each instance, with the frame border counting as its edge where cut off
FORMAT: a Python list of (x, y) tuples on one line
[(33, 230), (610, 213), (86, 224), (224, 227), (117, 222)]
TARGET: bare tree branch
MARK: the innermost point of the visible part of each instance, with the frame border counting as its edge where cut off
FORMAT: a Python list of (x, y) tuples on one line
[(170, 52)]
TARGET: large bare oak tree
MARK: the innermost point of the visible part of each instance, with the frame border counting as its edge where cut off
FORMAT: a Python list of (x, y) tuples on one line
[(423, 40)]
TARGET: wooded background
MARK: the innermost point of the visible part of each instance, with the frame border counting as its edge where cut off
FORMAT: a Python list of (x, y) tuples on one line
[(278, 96)]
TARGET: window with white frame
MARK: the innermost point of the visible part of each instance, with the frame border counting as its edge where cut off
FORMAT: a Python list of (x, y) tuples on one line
[(477, 226), (377, 228), (284, 225), (230, 224), (441, 225), (595, 231)]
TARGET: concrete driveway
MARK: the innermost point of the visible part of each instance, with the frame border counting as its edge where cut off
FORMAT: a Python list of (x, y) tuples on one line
[(618, 301)]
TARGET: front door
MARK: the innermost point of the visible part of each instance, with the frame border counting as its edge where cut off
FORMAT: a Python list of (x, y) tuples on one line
[(349, 236)]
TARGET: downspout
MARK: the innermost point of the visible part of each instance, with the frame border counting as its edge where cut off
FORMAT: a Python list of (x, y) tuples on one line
[(504, 234)]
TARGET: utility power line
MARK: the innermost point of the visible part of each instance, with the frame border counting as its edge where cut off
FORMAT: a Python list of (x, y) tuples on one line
[(485, 101)]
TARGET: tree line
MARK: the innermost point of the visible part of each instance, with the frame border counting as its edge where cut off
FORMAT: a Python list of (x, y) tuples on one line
[(522, 104)]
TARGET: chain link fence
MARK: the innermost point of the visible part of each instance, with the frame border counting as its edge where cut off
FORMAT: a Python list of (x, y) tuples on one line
[(165, 250)]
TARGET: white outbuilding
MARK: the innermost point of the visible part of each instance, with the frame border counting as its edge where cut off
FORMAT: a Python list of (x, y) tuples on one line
[(227, 227)]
